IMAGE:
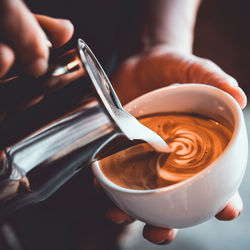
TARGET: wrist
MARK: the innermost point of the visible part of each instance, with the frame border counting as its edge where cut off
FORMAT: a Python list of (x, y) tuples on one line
[(154, 50), (160, 24), (174, 27), (181, 42)]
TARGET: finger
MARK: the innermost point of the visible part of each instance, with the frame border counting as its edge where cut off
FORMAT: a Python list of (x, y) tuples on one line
[(114, 213), (118, 216), (7, 58), (21, 31), (205, 71), (232, 210), (159, 236), (58, 30), (98, 187)]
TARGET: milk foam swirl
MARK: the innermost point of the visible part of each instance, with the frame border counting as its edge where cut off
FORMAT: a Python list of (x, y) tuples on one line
[(195, 143)]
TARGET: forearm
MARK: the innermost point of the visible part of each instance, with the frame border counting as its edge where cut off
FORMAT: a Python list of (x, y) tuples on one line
[(169, 22), (162, 22)]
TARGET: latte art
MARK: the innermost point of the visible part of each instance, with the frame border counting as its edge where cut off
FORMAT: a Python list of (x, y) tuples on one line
[(195, 142)]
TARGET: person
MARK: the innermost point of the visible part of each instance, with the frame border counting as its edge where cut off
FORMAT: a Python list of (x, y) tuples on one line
[(153, 46)]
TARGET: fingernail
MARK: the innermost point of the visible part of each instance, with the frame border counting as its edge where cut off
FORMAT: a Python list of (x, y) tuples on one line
[(239, 88), (120, 221), (48, 43), (234, 83), (163, 242), (38, 68), (68, 23), (125, 222), (171, 236), (243, 97)]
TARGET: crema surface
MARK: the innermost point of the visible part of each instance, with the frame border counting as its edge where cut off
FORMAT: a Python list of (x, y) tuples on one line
[(195, 142)]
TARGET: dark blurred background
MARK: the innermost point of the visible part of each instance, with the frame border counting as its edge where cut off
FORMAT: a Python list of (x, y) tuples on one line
[(223, 35)]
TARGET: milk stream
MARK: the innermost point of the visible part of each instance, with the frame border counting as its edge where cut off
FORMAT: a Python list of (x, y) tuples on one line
[(137, 131), (154, 140)]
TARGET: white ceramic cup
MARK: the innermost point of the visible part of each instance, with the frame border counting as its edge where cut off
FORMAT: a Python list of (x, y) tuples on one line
[(202, 196)]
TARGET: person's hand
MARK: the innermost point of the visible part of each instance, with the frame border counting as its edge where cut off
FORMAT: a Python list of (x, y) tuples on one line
[(163, 236), (23, 37), (158, 68), (162, 66)]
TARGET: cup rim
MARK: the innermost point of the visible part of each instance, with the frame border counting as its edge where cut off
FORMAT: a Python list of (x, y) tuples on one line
[(228, 99)]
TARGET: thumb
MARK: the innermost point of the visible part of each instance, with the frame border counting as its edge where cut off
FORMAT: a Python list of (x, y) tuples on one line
[(207, 72), (59, 31)]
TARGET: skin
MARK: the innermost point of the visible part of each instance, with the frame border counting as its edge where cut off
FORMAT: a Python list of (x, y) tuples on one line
[(23, 38), (163, 236), (160, 53)]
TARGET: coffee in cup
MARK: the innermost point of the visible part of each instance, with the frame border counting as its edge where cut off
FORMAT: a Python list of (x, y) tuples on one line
[(201, 196), (195, 142)]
